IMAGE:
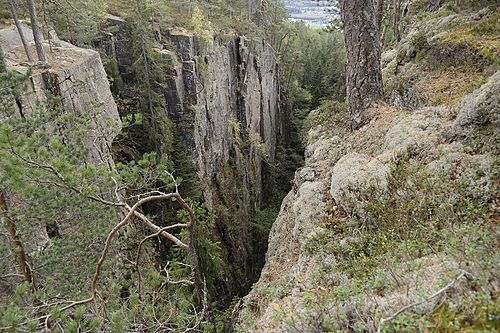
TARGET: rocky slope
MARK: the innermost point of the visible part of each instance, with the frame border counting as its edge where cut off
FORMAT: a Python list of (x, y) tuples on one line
[(380, 219)]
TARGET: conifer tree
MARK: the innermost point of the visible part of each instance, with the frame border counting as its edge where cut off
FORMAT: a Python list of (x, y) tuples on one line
[(13, 11), (37, 34), (363, 70)]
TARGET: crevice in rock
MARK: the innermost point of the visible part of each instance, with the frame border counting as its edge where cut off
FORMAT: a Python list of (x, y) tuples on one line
[(20, 107)]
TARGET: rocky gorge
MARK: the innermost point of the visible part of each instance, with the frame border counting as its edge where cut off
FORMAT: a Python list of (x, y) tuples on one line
[(392, 227)]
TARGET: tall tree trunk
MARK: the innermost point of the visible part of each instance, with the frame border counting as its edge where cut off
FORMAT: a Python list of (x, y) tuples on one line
[(380, 13), (3, 66), (363, 72), (17, 245), (37, 35), (384, 26), (396, 4), (13, 11)]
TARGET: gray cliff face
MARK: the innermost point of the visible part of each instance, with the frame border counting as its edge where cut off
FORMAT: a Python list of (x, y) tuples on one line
[(234, 89), (78, 78), (226, 101)]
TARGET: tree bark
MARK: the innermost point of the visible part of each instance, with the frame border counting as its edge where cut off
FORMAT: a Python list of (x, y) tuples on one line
[(396, 4), (17, 245), (13, 11), (3, 66), (37, 35), (363, 72), (380, 14)]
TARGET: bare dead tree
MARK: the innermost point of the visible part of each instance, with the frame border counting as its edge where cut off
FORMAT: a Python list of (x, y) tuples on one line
[(13, 11)]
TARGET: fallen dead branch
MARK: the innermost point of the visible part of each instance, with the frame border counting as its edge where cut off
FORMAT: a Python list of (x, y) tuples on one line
[(383, 321)]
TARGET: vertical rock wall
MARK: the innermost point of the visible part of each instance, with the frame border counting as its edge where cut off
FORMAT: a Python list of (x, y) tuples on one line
[(77, 77), (226, 100)]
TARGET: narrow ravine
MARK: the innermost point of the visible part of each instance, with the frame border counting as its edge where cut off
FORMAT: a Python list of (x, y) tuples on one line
[(201, 166)]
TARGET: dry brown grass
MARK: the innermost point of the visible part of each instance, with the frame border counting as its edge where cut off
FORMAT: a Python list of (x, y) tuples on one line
[(447, 86)]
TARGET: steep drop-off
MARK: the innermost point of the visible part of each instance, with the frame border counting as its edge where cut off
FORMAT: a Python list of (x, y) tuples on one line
[(225, 100), (394, 227), (71, 101)]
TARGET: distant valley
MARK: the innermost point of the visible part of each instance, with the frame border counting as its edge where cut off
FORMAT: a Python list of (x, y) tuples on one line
[(313, 13)]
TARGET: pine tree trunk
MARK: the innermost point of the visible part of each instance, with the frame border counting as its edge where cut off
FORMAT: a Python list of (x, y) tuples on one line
[(13, 11), (37, 35), (395, 19), (363, 72), (17, 245), (380, 13)]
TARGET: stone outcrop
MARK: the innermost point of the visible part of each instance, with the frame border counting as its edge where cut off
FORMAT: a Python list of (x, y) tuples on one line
[(353, 172), (78, 78), (301, 286), (479, 109)]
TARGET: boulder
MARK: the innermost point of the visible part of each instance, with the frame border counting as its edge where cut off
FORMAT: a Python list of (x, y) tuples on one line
[(352, 174), (422, 128), (479, 108), (473, 171)]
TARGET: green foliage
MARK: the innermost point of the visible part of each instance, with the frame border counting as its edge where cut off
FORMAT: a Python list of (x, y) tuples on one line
[(146, 173), (419, 41), (331, 114), (312, 63), (114, 78), (313, 60), (207, 247), (54, 190), (76, 21), (476, 317), (11, 86), (201, 27), (140, 90)]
